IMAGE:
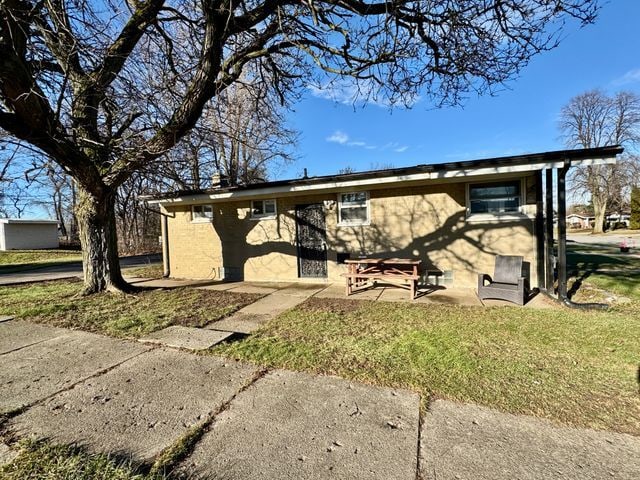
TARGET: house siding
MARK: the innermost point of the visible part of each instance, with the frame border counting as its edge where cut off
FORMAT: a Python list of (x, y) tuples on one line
[(428, 221)]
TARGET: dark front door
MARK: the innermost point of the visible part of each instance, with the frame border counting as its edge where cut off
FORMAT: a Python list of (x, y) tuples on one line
[(312, 240)]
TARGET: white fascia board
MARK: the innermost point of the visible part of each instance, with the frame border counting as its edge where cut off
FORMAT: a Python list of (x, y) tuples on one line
[(31, 222), (367, 182)]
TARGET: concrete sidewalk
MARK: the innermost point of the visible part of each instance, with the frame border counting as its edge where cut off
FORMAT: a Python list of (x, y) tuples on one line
[(134, 401)]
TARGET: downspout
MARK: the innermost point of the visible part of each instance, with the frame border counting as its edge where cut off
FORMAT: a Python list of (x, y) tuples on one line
[(562, 244), (166, 271)]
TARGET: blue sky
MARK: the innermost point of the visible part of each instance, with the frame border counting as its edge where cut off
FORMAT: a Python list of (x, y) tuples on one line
[(521, 119)]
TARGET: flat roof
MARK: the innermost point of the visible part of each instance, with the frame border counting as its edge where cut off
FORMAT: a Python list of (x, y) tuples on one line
[(34, 221), (435, 171)]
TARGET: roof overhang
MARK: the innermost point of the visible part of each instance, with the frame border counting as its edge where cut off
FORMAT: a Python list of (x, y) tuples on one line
[(28, 222), (465, 171)]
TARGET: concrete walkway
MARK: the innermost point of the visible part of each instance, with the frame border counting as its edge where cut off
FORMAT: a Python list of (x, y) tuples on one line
[(134, 401), (279, 300)]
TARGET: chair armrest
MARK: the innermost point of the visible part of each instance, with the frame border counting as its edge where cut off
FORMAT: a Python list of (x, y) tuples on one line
[(522, 282), (482, 277)]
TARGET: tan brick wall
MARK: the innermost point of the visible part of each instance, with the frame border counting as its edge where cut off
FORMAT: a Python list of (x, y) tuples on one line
[(428, 222), (194, 247)]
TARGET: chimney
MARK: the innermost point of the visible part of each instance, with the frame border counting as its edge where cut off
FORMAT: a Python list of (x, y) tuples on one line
[(305, 174), (218, 180)]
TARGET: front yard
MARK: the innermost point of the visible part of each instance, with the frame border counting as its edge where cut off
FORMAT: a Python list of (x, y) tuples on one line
[(570, 366), (56, 303)]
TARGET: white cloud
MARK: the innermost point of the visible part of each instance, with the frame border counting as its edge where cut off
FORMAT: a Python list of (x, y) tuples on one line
[(342, 138), (356, 93), (632, 76), (340, 92), (338, 137)]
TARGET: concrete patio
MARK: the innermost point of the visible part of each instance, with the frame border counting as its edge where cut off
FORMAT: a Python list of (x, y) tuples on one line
[(381, 292)]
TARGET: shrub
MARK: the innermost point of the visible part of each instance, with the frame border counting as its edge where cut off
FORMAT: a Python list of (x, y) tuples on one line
[(634, 222)]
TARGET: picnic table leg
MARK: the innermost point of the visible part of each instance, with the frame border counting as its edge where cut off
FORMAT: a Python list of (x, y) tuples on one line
[(349, 272), (414, 283)]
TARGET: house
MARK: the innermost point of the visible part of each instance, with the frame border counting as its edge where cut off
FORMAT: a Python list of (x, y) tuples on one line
[(19, 234), (618, 220), (580, 221), (455, 217)]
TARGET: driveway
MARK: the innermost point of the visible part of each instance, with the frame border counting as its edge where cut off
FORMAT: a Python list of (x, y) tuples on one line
[(135, 401), (69, 270)]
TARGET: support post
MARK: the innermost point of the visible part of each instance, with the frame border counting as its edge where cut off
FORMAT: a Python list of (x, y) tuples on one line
[(164, 229), (562, 231), (549, 230), (539, 232)]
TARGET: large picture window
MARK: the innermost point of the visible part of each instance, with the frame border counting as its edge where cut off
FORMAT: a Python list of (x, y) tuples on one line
[(263, 209), (353, 208), (494, 197)]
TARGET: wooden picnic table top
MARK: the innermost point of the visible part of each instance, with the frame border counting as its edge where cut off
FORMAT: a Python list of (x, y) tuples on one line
[(384, 261)]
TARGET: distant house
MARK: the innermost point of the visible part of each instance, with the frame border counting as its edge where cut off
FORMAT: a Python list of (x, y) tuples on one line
[(455, 217), (19, 234), (616, 220), (576, 221)]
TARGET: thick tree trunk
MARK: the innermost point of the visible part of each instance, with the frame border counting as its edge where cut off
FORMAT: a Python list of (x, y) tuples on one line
[(97, 228), (599, 211)]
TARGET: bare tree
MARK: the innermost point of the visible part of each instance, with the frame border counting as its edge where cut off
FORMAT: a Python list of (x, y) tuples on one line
[(242, 136), (250, 135), (105, 88), (594, 119), (138, 226)]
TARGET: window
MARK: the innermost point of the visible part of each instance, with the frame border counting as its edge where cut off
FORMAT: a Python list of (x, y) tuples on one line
[(263, 209), (496, 197), (201, 213), (353, 208)]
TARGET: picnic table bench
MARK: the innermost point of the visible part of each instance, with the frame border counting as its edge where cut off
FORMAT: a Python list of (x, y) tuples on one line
[(402, 271)]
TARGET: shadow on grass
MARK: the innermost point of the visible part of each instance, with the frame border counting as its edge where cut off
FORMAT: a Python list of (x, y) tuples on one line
[(604, 267)]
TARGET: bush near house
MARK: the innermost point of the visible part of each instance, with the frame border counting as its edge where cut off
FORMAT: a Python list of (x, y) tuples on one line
[(634, 222)]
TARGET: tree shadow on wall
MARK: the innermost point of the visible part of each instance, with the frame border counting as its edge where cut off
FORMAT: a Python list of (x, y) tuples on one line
[(451, 239)]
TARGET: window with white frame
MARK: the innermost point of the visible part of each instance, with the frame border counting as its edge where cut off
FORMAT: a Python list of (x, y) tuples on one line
[(495, 197), (201, 213), (353, 208), (263, 209)]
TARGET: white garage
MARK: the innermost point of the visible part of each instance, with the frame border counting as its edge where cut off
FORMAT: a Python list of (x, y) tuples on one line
[(18, 234)]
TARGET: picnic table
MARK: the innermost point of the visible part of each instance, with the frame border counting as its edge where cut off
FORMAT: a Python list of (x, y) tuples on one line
[(402, 271)]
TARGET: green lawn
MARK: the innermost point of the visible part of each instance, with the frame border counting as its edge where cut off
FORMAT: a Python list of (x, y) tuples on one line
[(56, 303), (12, 261), (153, 270), (570, 366), (39, 460), (602, 270)]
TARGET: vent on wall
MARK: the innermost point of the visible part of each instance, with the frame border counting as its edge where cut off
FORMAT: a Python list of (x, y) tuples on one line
[(440, 278)]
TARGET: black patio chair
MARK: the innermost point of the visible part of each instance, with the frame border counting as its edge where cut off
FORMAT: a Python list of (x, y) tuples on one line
[(507, 282)]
